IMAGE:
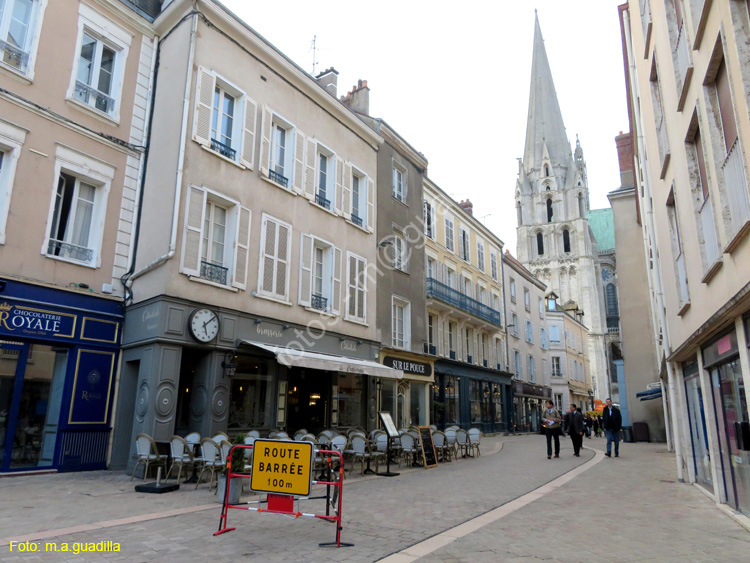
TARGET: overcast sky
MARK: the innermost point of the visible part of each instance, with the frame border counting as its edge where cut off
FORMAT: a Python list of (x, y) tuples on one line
[(454, 82)]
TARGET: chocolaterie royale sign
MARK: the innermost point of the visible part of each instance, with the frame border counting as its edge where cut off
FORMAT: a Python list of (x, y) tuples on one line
[(408, 366)]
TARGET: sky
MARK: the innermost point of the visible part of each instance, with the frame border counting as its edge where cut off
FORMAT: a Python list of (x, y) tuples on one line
[(454, 82)]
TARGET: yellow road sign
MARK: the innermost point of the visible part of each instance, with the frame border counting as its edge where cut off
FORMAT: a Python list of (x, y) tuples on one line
[(281, 466)]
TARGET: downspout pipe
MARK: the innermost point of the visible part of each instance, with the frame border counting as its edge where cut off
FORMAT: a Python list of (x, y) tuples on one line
[(511, 418), (180, 161)]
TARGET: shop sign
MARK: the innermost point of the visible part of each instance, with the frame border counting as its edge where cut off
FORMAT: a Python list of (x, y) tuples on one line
[(281, 466), (16, 321), (408, 366)]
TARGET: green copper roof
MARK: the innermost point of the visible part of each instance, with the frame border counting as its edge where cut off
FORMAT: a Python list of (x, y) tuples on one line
[(603, 227)]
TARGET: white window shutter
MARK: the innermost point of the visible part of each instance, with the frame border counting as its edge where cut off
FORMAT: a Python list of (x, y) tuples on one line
[(445, 274), (204, 95), (305, 270), (336, 293), (241, 248), (346, 202), (299, 162), (265, 141), (267, 256), (362, 291), (248, 138), (195, 209), (337, 207), (370, 205), (283, 247), (350, 302), (310, 155)]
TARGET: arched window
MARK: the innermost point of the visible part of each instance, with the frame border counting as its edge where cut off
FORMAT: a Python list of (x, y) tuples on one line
[(540, 244), (549, 210), (581, 206), (546, 170), (519, 213), (566, 240), (611, 297)]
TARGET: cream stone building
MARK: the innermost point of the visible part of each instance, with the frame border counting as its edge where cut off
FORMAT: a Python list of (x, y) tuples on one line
[(688, 71), (465, 316), (251, 304), (74, 79)]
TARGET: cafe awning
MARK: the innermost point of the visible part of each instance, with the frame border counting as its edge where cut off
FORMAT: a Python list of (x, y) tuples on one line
[(650, 394), (327, 362)]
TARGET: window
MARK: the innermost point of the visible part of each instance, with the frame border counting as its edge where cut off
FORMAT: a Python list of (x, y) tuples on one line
[(275, 245), (531, 364), (356, 295), (529, 332), (480, 256), (566, 241), (400, 257), (482, 295), (559, 401), (399, 183), (554, 334), (704, 206), (526, 299), (468, 286), (540, 244), (543, 337), (468, 337), (452, 340), (463, 244), (485, 350), (550, 214), (11, 141), (519, 213), (499, 352), (449, 240), (432, 272), (496, 302), (325, 192), (362, 207), (283, 151), (320, 275), (19, 22), (556, 369), (517, 363), (429, 220), (77, 210), (512, 290), (514, 322), (225, 118), (541, 308), (431, 328), (216, 238), (493, 264), (400, 323), (610, 294), (450, 277), (678, 255)]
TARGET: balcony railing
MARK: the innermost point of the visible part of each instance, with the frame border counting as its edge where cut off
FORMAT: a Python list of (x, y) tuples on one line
[(430, 349), (556, 373), (222, 149), (214, 272), (94, 97), (468, 359), (319, 302), (736, 185), (452, 354), (72, 251), (14, 56), (485, 363), (455, 298), (278, 178), (356, 220), (321, 200), (710, 243)]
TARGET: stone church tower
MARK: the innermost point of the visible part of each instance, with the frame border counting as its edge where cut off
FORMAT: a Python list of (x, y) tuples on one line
[(552, 199)]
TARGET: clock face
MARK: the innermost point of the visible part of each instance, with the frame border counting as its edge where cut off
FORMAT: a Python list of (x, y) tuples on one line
[(204, 325)]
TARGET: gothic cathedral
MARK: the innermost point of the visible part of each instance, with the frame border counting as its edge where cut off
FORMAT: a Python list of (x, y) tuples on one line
[(552, 199)]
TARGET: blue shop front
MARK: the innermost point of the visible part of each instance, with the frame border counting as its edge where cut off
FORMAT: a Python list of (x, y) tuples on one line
[(59, 352)]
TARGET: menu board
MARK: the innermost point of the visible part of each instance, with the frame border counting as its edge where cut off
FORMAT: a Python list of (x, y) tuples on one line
[(390, 428), (429, 455)]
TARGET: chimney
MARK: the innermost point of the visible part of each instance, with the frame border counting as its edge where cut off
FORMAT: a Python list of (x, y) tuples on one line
[(467, 206), (625, 151), (329, 79), (358, 99)]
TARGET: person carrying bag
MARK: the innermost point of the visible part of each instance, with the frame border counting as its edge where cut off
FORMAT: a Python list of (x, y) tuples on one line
[(552, 428)]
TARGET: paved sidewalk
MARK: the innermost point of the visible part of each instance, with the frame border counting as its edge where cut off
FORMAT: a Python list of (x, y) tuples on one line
[(652, 517)]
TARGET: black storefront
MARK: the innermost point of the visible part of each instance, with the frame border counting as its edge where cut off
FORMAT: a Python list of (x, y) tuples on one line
[(471, 396)]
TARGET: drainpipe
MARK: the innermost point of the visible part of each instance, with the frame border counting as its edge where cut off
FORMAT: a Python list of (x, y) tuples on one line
[(180, 161), (511, 407), (655, 286)]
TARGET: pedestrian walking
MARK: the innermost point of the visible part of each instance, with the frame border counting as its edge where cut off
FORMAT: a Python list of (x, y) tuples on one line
[(612, 423), (597, 427), (552, 420), (587, 423), (574, 427)]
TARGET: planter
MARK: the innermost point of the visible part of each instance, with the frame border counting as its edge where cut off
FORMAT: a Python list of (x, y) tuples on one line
[(235, 489)]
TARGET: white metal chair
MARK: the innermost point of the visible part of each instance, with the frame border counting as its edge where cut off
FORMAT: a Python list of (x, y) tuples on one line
[(182, 455), (254, 434), (249, 441), (450, 436), (324, 440), (299, 433), (219, 436), (408, 448), (463, 442), (475, 435), (193, 438), (444, 450), (211, 454), (361, 452), (145, 447)]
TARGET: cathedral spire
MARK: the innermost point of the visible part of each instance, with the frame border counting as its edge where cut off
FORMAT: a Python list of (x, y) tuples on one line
[(545, 124)]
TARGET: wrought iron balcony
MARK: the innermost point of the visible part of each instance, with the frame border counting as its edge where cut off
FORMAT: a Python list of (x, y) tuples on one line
[(453, 297), (214, 272), (319, 302), (94, 97), (556, 373), (222, 149), (468, 358), (356, 220), (485, 363), (67, 250), (278, 178), (322, 201), (14, 56), (452, 354), (430, 349)]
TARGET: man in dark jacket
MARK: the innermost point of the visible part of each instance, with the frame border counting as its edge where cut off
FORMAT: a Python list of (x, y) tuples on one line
[(612, 423), (574, 427)]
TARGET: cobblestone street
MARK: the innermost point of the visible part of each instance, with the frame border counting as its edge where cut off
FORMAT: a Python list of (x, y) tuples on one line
[(513, 503)]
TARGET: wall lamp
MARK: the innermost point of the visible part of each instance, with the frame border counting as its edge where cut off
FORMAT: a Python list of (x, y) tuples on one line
[(342, 338), (286, 327), (230, 368), (257, 321)]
